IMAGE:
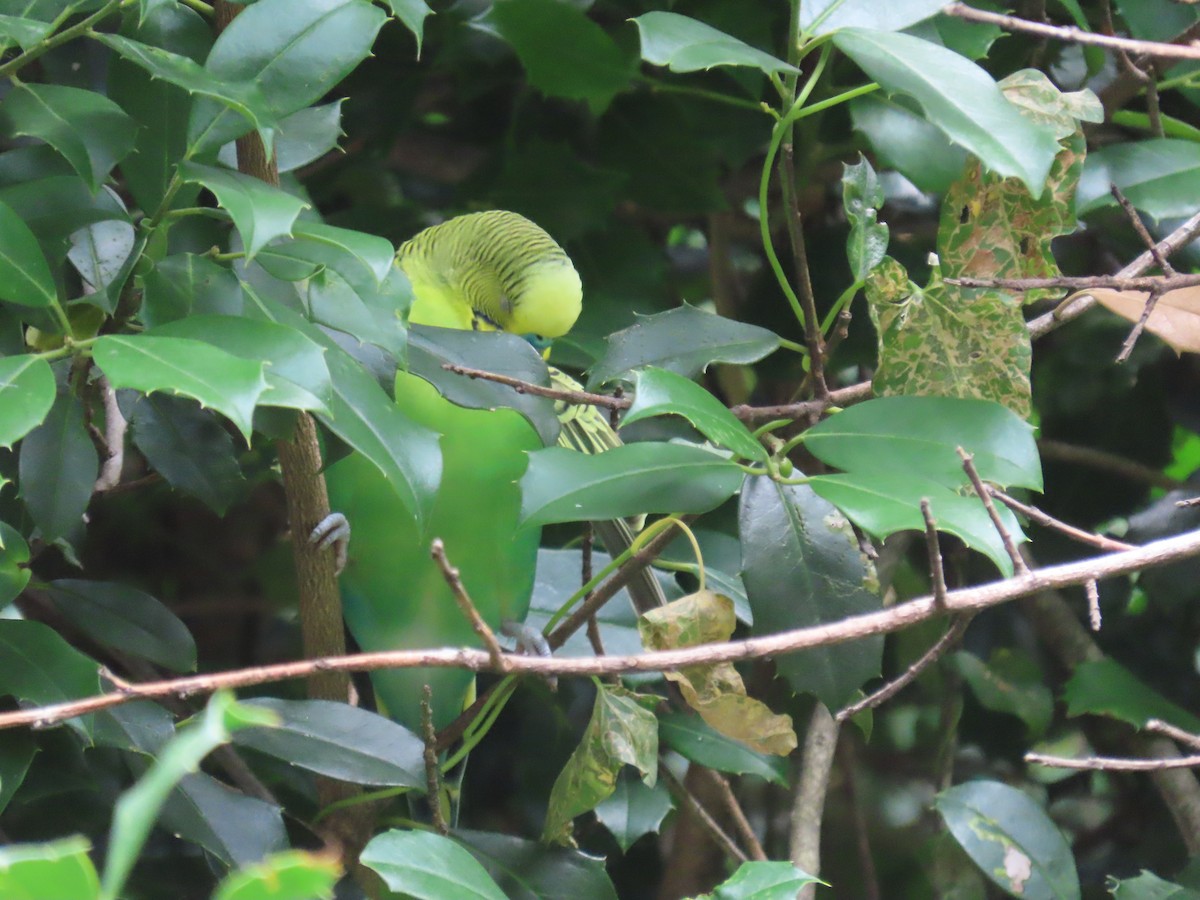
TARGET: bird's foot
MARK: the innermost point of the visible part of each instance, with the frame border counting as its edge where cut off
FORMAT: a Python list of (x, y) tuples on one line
[(333, 531), (529, 642)]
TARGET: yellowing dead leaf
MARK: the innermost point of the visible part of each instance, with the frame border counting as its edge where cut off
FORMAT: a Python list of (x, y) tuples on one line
[(1175, 319)]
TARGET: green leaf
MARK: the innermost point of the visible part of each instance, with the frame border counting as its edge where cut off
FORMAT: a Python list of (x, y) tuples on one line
[(185, 284), (17, 749), (26, 395), (1148, 886), (339, 741), (958, 97), (1011, 840), (374, 254), (125, 619), (908, 142), (14, 566), (428, 866), (685, 341), (1104, 687), (25, 276), (634, 809), (883, 503), (565, 54), (139, 806), (412, 13), (691, 738), (763, 881), (369, 313), (918, 436), (802, 567), (862, 196), (188, 447), (687, 45), (296, 373), (55, 207), (622, 731), (44, 871), (25, 33), (243, 96), (295, 51), (892, 16), (307, 135), (565, 486), (39, 668), (430, 348), (661, 392), (103, 254), (91, 132), (1156, 176), (230, 385), (235, 828), (1009, 682), (292, 875), (529, 870), (58, 469), (260, 212)]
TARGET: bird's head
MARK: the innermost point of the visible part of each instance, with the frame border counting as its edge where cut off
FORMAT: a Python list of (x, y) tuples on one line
[(550, 301)]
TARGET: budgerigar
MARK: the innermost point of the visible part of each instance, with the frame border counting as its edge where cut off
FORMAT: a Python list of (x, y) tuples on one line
[(485, 271)]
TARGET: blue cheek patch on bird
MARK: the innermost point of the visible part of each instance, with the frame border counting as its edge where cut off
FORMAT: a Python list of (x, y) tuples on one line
[(541, 344)]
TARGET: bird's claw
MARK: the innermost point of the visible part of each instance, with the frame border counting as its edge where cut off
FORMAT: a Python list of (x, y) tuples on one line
[(333, 531), (529, 642)]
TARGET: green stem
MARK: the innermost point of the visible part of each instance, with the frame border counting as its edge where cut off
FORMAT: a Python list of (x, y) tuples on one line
[(715, 96), (770, 426), (846, 296), (484, 722), (793, 346), (67, 34)]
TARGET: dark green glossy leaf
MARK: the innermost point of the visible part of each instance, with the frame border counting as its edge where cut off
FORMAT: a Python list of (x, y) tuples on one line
[(429, 349), (104, 253), (39, 668), (426, 865), (233, 827), (339, 741), (91, 132), (908, 142), (1011, 839), (17, 749), (1009, 682), (566, 486), (1104, 687), (802, 567), (919, 436), (764, 881), (304, 136), (260, 212), (294, 51), (188, 447), (59, 868), (126, 619), (26, 395), (634, 809), (186, 284), (370, 313), (413, 14), (565, 53), (692, 739), (1157, 176), (14, 564), (55, 207), (58, 469), (959, 97), (685, 341), (1148, 886), (891, 16), (687, 45), (25, 33), (25, 276), (661, 392), (220, 380), (529, 870), (291, 875)]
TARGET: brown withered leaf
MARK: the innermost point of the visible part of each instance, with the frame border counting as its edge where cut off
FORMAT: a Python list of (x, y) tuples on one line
[(716, 692), (1175, 319)]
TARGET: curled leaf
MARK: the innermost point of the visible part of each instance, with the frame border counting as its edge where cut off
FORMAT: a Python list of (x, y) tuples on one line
[(1175, 318)]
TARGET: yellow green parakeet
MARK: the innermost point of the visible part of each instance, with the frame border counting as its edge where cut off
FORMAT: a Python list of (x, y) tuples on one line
[(484, 271)]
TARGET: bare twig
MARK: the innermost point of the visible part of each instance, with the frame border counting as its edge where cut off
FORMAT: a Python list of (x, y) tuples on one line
[(808, 800), (528, 387), (753, 847), (846, 396), (892, 688), (1072, 34), (433, 776), (715, 831), (593, 627), (454, 579), (1140, 227), (981, 491), (813, 338), (882, 621), (937, 574), (1172, 731), (1112, 763), (1086, 282), (1048, 521), (1093, 597), (1108, 462), (114, 438), (1140, 326)]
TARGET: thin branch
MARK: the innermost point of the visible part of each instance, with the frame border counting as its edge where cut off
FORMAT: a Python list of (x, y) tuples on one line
[(813, 338), (937, 574), (1180, 237), (1140, 326), (454, 579), (808, 800), (1112, 763), (1140, 227), (1093, 597), (882, 621), (981, 491), (1086, 282), (715, 831), (740, 822), (1107, 462), (433, 774), (1048, 521), (527, 387), (892, 688), (1072, 34), (114, 438), (846, 396), (585, 574), (1172, 731)]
